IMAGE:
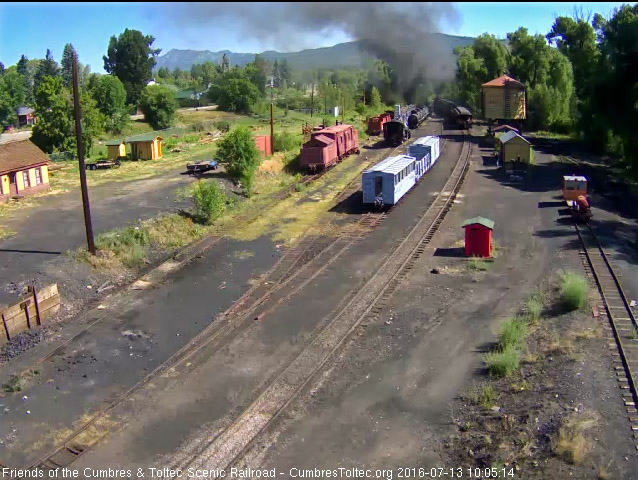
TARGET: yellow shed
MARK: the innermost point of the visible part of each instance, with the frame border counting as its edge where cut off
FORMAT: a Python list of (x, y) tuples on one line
[(515, 148), (23, 169), (504, 99), (115, 149), (145, 147)]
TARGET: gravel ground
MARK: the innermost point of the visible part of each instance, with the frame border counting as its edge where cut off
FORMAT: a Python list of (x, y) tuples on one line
[(394, 397)]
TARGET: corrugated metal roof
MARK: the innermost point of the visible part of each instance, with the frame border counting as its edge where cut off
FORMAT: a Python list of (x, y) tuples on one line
[(506, 137), (19, 155), (502, 81), (114, 142), (145, 137), (392, 165), (486, 222)]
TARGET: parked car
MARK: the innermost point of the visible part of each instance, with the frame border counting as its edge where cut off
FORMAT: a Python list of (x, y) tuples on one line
[(202, 166), (103, 164), (8, 128)]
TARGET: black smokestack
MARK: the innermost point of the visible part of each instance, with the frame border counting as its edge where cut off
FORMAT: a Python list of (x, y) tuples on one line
[(398, 33)]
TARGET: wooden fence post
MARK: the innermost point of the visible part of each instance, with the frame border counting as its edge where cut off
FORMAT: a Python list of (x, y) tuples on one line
[(37, 308), (6, 329), (25, 307)]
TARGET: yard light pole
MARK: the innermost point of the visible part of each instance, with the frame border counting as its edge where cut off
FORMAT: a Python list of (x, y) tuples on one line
[(78, 135)]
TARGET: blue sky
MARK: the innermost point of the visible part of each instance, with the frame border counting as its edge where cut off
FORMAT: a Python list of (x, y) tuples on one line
[(31, 28)]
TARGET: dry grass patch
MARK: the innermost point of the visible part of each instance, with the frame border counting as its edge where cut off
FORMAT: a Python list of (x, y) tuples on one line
[(483, 395), (572, 444)]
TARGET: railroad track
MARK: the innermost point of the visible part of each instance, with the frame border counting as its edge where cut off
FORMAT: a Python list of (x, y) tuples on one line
[(300, 264), (232, 442), (622, 321), (259, 300)]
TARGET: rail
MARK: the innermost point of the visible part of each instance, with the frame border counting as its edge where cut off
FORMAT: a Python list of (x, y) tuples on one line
[(228, 447), (621, 318)]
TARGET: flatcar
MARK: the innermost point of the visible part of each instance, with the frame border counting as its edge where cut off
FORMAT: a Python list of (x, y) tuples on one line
[(389, 180), (395, 132), (328, 146)]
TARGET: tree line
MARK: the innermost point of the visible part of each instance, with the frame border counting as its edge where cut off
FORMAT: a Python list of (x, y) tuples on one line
[(581, 77)]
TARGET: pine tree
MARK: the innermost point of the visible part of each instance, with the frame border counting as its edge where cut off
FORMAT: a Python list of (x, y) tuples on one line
[(67, 64), (47, 68), (225, 65)]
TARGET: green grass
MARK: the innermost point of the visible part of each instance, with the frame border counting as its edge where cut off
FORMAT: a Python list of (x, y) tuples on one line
[(513, 334), (534, 307), (483, 395), (573, 291), (477, 264), (502, 363)]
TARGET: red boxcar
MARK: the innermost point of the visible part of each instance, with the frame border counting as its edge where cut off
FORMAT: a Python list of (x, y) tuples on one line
[(319, 152), (375, 124), (345, 136), (329, 145)]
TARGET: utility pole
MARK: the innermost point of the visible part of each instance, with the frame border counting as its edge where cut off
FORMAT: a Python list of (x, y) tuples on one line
[(343, 109), (78, 135), (364, 95), (312, 99), (272, 129)]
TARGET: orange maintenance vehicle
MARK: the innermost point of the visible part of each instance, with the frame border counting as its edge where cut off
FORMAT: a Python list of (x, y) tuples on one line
[(575, 195)]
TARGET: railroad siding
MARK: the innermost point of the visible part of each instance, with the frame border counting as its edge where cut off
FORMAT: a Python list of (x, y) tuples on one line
[(208, 395), (114, 355)]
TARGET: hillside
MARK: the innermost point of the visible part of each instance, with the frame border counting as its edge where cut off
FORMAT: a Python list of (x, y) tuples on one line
[(341, 55)]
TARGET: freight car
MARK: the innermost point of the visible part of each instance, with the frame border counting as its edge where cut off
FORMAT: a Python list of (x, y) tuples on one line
[(426, 150), (389, 180), (417, 116), (395, 132), (375, 124), (328, 146)]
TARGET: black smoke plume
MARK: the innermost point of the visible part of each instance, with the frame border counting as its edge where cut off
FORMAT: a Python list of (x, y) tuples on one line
[(398, 33)]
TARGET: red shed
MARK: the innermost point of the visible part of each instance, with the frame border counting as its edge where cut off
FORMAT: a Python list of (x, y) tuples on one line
[(318, 152), (262, 142), (478, 237)]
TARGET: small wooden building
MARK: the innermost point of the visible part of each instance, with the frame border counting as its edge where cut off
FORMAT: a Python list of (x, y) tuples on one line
[(515, 149), (503, 99), (478, 237), (115, 149), (145, 147), (23, 169), (25, 116)]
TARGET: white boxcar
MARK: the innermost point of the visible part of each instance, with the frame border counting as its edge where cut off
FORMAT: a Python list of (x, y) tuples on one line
[(387, 181), (424, 145)]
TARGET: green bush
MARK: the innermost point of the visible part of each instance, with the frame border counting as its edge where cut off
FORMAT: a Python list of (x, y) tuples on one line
[(209, 202), (129, 244), (286, 141), (158, 105), (513, 333), (502, 363), (573, 291), (190, 138), (223, 126), (238, 152)]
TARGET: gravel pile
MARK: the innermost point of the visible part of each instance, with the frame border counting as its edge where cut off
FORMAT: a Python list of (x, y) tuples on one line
[(21, 343)]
